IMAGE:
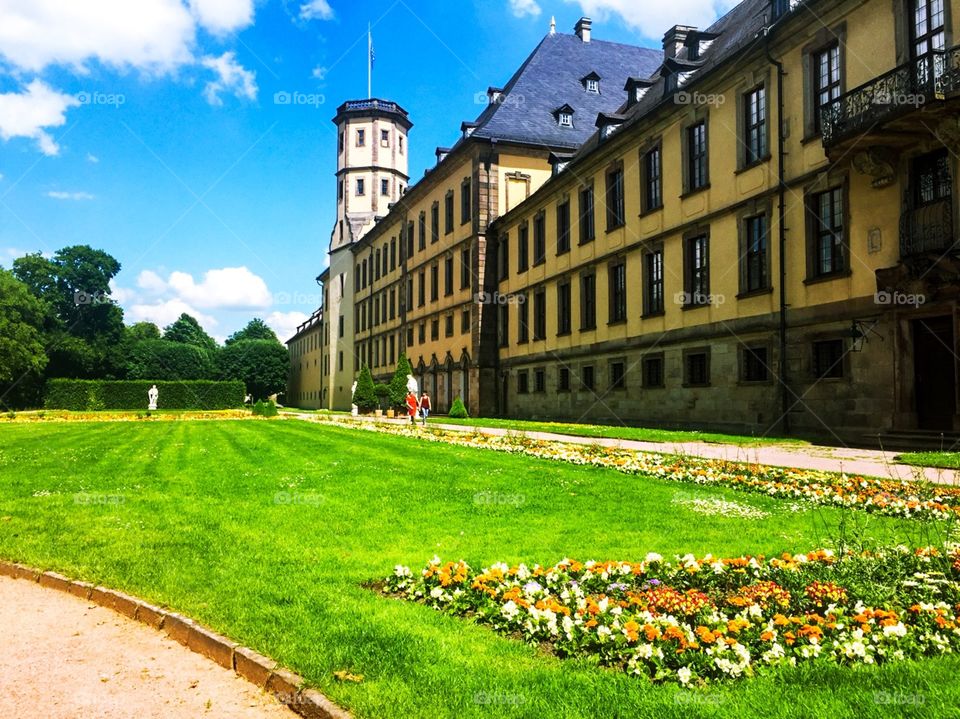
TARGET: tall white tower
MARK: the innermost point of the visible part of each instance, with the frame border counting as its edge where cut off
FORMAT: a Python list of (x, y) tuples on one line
[(372, 154)]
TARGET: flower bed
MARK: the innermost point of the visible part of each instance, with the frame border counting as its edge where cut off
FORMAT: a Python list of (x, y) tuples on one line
[(882, 496), (694, 620)]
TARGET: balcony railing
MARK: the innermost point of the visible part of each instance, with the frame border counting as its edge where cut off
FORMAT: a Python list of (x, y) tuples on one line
[(902, 90), (928, 229), (373, 104)]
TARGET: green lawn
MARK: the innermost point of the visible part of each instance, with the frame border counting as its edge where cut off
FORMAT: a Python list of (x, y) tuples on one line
[(639, 434), (198, 527), (946, 460)]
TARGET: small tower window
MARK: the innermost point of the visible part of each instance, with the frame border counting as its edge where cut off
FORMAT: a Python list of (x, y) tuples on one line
[(384, 187), (384, 138), (591, 83), (361, 137), (593, 86), (400, 143), (340, 142), (360, 187), (565, 119)]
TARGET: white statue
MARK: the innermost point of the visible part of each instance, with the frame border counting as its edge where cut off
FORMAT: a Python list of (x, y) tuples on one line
[(353, 408), (412, 385), (152, 395)]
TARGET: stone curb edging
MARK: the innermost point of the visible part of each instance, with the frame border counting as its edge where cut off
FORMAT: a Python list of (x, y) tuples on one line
[(257, 669)]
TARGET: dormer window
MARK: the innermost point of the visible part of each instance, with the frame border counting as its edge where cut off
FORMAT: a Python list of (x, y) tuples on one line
[(591, 83), (564, 116)]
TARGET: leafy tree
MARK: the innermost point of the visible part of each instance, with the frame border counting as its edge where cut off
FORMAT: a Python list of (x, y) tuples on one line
[(163, 360), (262, 365), (398, 385), (365, 396), (22, 353), (256, 329), (187, 330), (143, 331), (458, 410)]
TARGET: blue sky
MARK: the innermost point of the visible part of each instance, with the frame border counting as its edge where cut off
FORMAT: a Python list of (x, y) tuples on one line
[(150, 129)]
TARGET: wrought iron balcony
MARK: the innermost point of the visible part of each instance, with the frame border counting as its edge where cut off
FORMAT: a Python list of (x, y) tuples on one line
[(894, 94), (928, 229)]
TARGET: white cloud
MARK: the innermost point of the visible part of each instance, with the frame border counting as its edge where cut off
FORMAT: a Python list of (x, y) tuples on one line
[(285, 323), (653, 19), (57, 195), (92, 158), (319, 73), (154, 35), (162, 313), (316, 10), (151, 282), (226, 288), (222, 16), (231, 77), (524, 8), (27, 114)]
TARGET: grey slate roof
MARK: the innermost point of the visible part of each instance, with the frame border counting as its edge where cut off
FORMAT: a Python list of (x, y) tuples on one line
[(551, 77)]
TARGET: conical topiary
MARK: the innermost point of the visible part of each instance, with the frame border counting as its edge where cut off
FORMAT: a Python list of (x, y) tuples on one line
[(458, 410), (398, 385), (365, 396)]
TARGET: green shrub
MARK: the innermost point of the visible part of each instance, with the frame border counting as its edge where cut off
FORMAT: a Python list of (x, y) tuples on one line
[(365, 396), (82, 395), (265, 409), (398, 385), (458, 410)]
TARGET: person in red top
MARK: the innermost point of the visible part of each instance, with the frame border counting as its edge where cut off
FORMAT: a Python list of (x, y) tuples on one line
[(425, 407), (412, 407)]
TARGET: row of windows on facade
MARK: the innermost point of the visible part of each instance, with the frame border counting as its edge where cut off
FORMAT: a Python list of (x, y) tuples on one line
[(827, 245), (378, 266), (384, 260), (361, 188), (363, 314), (360, 140), (754, 366)]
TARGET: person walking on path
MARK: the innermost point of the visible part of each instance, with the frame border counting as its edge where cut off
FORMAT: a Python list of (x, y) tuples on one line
[(412, 407), (425, 407)]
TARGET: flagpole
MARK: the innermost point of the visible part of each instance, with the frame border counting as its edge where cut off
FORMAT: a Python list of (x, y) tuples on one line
[(369, 61)]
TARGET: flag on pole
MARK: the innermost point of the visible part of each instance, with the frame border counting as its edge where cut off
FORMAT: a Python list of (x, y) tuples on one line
[(370, 57)]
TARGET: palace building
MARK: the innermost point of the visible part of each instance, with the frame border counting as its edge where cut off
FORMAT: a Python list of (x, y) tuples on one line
[(759, 235)]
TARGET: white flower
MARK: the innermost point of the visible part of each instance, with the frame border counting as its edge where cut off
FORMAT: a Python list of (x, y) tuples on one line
[(896, 630), (684, 674), (510, 610), (436, 592), (654, 557)]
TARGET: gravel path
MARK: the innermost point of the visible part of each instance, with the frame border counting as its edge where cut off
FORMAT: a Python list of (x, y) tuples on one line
[(64, 657)]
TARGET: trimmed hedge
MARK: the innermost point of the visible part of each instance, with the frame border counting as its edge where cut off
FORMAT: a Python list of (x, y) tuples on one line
[(85, 395)]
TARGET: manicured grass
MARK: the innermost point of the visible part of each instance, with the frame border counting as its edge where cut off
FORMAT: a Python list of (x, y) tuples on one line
[(946, 460), (639, 434), (266, 532)]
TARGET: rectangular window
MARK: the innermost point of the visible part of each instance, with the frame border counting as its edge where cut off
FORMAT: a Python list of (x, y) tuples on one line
[(563, 380), (435, 222), (697, 274), (653, 371), (616, 214), (563, 308), (618, 375), (422, 333), (588, 302), (522, 382), (448, 212), (464, 268), (410, 336), (407, 303), (539, 380), (384, 138), (361, 137), (927, 27), (448, 325), (754, 367), (755, 125), (653, 282), (540, 314), (422, 295), (523, 319), (448, 276), (434, 283), (465, 203), (539, 238), (384, 187), (435, 329), (410, 237), (563, 227), (618, 292), (652, 168), (755, 253), (828, 359), (697, 156), (422, 231), (360, 187), (523, 247), (503, 325), (930, 178), (586, 377), (587, 231), (697, 369), (826, 81), (828, 232), (464, 322)]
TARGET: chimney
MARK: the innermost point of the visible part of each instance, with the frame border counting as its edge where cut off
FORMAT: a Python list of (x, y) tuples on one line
[(582, 29), (675, 38)]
